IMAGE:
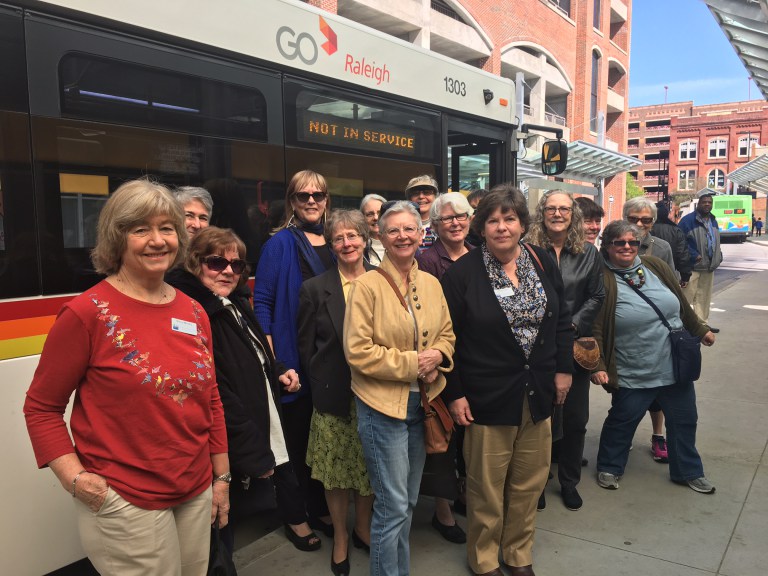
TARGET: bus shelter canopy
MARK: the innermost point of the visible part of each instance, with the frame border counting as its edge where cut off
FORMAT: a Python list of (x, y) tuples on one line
[(745, 24), (753, 174)]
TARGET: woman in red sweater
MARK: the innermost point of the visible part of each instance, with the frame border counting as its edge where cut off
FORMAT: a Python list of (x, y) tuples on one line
[(148, 470)]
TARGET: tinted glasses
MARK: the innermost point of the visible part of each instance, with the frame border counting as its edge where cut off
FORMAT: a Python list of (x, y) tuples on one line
[(635, 219), (219, 264), (622, 243), (303, 197)]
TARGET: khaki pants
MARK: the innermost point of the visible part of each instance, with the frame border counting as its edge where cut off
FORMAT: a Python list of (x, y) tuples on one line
[(507, 468), (124, 540), (698, 292)]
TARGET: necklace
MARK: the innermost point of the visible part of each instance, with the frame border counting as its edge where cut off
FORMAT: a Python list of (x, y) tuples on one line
[(640, 278), (127, 288)]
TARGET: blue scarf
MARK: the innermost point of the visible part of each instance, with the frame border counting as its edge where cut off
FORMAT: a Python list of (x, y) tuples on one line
[(306, 250)]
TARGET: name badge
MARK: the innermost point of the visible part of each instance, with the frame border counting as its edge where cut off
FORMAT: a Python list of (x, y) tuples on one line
[(504, 292), (183, 326)]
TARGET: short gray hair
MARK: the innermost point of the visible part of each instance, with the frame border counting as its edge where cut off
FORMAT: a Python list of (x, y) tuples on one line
[(614, 230), (455, 200), (186, 194), (368, 197), (347, 218), (397, 208), (638, 204)]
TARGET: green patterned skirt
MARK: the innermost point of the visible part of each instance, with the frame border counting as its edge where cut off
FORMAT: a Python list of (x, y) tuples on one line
[(335, 454)]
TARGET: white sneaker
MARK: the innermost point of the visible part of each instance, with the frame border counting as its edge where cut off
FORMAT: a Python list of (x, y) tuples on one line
[(609, 481), (701, 485)]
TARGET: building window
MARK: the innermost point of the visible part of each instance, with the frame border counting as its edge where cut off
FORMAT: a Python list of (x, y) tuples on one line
[(594, 91), (687, 149), (718, 148), (716, 179), (746, 143), (687, 180), (563, 5), (596, 15)]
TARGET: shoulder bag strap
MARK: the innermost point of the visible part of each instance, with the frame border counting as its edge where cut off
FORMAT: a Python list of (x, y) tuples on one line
[(532, 252), (422, 388), (648, 300)]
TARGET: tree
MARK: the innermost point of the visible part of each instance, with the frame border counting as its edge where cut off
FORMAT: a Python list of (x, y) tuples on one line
[(633, 190)]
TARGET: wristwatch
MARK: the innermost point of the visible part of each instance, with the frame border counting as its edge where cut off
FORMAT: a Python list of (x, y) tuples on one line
[(226, 477)]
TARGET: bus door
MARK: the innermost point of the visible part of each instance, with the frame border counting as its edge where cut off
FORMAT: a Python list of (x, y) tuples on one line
[(478, 155)]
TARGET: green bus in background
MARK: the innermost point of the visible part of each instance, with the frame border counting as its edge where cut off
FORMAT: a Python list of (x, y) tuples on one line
[(733, 213)]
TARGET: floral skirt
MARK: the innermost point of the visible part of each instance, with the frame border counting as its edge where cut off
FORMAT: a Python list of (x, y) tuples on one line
[(335, 454)]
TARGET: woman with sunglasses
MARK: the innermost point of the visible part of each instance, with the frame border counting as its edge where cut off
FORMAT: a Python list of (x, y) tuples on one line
[(558, 228), (450, 216), (636, 358), (250, 379), (296, 253)]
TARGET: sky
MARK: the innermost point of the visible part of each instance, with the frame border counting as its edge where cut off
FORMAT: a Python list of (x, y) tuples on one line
[(677, 43)]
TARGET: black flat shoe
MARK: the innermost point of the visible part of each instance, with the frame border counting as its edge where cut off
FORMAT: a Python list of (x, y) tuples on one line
[(542, 502), (308, 543), (451, 533), (359, 542), (342, 568), (324, 527)]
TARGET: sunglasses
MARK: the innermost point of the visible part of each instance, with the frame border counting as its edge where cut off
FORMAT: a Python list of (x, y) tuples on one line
[(303, 197), (622, 243), (635, 219), (219, 264)]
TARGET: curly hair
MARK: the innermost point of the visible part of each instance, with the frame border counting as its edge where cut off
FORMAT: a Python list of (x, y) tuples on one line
[(537, 233)]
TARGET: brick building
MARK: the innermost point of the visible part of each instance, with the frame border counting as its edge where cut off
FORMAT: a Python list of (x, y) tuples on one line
[(574, 55), (703, 143)]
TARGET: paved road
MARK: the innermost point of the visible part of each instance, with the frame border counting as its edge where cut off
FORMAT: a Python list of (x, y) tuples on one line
[(649, 527)]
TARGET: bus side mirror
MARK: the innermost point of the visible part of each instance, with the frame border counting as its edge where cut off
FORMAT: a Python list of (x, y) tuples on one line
[(554, 157)]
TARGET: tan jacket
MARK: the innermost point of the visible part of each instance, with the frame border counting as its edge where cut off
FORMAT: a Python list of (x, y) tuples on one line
[(378, 337)]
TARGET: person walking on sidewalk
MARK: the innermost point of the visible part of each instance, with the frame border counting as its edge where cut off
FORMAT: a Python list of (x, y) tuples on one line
[(703, 237), (759, 226)]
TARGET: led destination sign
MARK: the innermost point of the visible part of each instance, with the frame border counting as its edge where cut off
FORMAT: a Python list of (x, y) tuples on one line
[(358, 134)]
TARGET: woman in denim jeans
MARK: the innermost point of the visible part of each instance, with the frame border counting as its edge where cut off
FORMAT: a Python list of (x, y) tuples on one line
[(389, 349)]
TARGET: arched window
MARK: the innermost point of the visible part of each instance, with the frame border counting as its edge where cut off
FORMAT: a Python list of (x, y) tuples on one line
[(718, 148), (746, 143), (594, 90), (687, 149), (716, 179)]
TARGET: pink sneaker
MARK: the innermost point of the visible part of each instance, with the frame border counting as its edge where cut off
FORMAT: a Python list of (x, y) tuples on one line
[(659, 449)]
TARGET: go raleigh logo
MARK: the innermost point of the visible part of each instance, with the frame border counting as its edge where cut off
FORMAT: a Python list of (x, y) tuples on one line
[(303, 46)]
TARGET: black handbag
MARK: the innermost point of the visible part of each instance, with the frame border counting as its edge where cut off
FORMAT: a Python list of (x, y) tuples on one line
[(686, 348), (220, 563)]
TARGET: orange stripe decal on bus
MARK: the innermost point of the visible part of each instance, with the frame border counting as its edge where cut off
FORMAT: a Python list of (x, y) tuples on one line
[(11, 329)]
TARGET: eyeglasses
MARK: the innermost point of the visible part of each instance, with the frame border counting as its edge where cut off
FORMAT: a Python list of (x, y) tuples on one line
[(635, 219), (457, 217), (351, 237), (318, 197), (622, 243), (426, 190), (406, 230), (219, 264), (552, 209)]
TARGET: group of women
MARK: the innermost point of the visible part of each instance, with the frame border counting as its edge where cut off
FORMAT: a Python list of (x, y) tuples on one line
[(313, 394)]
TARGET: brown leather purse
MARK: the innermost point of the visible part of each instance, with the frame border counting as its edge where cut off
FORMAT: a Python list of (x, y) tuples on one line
[(438, 424)]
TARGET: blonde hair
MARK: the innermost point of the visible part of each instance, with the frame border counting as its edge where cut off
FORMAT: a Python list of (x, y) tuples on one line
[(537, 233), (301, 180), (133, 203)]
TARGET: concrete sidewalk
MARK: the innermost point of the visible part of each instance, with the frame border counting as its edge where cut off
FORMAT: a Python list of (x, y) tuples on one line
[(649, 527)]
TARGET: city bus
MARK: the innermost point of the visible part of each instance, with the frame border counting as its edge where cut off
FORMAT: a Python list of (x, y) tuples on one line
[(733, 213), (233, 96)]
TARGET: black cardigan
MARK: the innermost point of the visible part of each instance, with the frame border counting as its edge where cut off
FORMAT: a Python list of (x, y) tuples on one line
[(239, 376), (490, 366)]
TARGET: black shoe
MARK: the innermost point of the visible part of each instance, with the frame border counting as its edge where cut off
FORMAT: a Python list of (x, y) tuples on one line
[(571, 498), (584, 462), (714, 330), (342, 568), (451, 533), (316, 524), (542, 502), (308, 543), (359, 542), (460, 507)]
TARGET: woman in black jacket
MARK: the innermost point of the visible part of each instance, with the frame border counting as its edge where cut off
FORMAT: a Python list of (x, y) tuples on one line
[(513, 361), (558, 228), (248, 377)]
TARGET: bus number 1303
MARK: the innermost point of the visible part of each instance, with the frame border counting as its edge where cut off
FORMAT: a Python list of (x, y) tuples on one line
[(453, 86)]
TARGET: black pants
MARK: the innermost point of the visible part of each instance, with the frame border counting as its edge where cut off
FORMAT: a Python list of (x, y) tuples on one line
[(575, 418), (296, 418)]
